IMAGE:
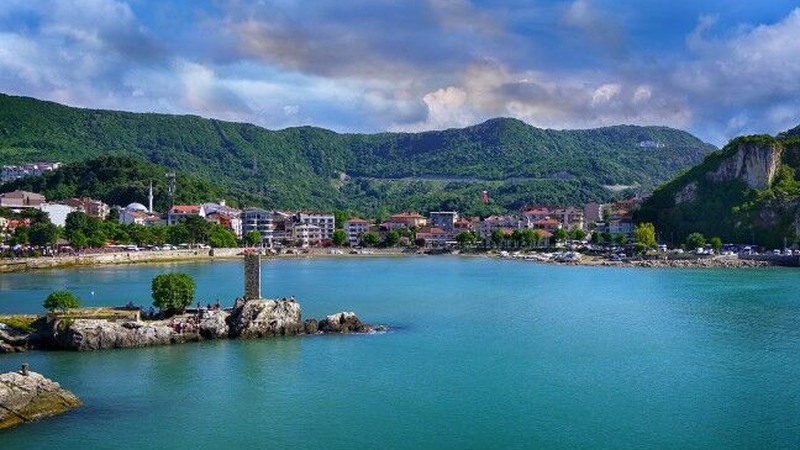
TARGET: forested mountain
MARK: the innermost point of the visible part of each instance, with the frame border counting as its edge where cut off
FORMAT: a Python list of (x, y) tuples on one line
[(310, 167), (748, 192)]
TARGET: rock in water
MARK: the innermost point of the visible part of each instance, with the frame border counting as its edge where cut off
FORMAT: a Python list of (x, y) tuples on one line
[(262, 318), (343, 322), (90, 334), (24, 398)]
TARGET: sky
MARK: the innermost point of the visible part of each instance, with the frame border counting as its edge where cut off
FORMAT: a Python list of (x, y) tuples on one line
[(715, 68)]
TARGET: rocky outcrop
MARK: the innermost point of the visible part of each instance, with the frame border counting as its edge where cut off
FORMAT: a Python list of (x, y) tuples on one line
[(755, 164), (98, 334), (215, 325), (31, 396), (263, 318), (343, 322)]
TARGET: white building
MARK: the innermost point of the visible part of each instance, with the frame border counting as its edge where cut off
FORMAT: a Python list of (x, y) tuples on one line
[(57, 212), (306, 234), (445, 220), (324, 221), (354, 228), (257, 219)]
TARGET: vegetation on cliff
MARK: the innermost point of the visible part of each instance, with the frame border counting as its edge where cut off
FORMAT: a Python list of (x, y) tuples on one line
[(735, 208), (309, 167)]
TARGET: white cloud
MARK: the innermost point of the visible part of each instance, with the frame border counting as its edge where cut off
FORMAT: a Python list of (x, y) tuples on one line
[(605, 93)]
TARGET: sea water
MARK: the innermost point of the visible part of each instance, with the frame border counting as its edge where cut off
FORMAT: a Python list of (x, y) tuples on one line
[(482, 354)]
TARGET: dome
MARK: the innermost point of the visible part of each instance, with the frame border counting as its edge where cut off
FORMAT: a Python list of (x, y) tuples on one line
[(135, 207)]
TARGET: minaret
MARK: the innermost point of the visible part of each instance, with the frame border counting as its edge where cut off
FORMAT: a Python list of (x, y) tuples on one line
[(150, 198)]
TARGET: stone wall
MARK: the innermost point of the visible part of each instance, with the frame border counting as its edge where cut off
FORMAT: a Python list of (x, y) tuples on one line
[(252, 276)]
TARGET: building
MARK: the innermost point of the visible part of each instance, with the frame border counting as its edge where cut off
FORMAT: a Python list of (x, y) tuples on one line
[(220, 213), (11, 173), (570, 218), (261, 220), (547, 224), (593, 212), (446, 220), (90, 206), (505, 223), (436, 237), (306, 234), (406, 219), (355, 227), (179, 212), (57, 212), (324, 221), (137, 213), (21, 199)]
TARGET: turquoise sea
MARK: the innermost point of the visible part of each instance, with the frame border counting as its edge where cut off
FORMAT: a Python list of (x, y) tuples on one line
[(483, 354)]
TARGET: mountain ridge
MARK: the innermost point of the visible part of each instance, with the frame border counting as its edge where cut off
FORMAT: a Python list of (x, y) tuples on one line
[(301, 167)]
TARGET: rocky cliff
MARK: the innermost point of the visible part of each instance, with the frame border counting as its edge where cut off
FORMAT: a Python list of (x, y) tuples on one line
[(30, 396), (749, 192), (754, 164)]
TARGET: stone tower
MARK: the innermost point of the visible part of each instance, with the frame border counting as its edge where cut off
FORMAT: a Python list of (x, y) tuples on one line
[(252, 276)]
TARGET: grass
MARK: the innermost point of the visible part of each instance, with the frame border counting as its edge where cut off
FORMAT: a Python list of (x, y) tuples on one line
[(20, 322)]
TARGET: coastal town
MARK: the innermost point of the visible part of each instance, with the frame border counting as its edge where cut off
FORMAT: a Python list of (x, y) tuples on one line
[(30, 225)]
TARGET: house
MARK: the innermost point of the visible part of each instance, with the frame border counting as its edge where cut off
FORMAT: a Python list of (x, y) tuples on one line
[(324, 221), (305, 234), (178, 212), (406, 219), (570, 217), (21, 199), (355, 227), (257, 219), (436, 237), (492, 223), (224, 215), (446, 220), (10, 173), (547, 224), (593, 212), (90, 206)]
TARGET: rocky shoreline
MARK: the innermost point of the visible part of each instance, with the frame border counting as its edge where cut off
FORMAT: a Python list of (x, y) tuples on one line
[(27, 396), (248, 319)]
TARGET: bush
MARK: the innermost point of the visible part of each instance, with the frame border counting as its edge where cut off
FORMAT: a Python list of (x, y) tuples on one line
[(173, 292), (62, 300)]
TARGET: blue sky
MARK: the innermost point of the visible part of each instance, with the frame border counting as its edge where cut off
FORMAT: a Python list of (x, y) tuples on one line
[(715, 68)]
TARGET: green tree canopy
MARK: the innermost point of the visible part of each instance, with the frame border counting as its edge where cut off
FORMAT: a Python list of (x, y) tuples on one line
[(392, 238), (695, 240), (716, 243), (252, 238), (339, 238), (645, 234), (173, 292), (370, 239), (62, 300)]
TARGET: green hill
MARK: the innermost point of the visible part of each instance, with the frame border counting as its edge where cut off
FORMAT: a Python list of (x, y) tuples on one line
[(310, 167), (748, 192)]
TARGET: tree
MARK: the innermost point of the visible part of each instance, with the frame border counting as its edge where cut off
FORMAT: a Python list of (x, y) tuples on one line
[(560, 235), (177, 234), (339, 218), (252, 238), (221, 237), (78, 240), (716, 243), (537, 237), (392, 238), (173, 292), (497, 237), (370, 239), (43, 234), (645, 234), (466, 238), (197, 229), (695, 240), (62, 300), (577, 234), (339, 238)]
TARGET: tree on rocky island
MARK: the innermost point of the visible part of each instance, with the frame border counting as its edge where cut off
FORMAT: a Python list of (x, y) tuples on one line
[(716, 243), (62, 300), (173, 292)]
